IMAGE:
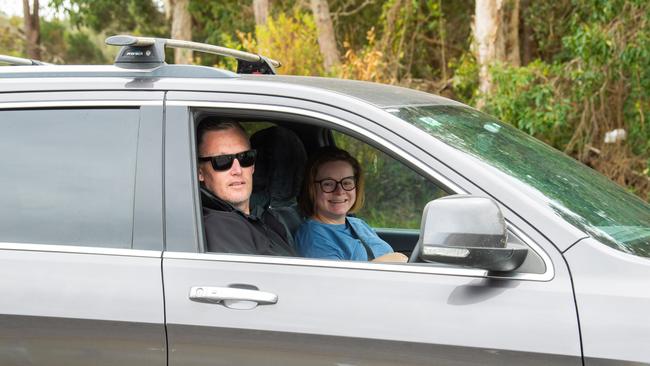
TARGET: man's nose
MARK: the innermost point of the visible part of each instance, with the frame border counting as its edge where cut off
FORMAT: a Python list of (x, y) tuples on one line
[(236, 168)]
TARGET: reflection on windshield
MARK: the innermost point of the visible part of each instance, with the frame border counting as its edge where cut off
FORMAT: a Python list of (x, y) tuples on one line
[(578, 194)]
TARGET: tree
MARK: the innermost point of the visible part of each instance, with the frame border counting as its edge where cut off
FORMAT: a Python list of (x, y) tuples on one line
[(326, 36), (32, 29), (261, 10), (139, 17), (181, 28), (496, 33)]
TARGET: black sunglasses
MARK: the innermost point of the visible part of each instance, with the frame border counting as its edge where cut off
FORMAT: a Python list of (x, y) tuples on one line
[(224, 162)]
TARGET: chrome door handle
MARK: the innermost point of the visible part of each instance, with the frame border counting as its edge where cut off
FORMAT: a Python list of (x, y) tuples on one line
[(236, 298)]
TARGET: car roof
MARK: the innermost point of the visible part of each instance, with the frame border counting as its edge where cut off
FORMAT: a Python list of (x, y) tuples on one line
[(192, 77), (381, 95)]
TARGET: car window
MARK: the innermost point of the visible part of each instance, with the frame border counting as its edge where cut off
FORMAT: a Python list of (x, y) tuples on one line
[(68, 176), (395, 194), (573, 191)]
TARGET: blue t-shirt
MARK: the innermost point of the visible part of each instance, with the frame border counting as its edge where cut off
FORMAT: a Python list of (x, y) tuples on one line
[(317, 240)]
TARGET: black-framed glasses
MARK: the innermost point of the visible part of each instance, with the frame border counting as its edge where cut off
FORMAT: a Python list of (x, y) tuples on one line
[(224, 162), (328, 185)]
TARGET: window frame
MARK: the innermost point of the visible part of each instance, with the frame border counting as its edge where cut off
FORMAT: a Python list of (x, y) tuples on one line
[(146, 229), (300, 114)]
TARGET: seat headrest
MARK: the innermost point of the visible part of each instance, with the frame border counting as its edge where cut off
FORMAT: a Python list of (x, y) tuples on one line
[(281, 159)]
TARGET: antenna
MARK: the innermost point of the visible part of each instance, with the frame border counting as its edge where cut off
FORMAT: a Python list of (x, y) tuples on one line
[(146, 52)]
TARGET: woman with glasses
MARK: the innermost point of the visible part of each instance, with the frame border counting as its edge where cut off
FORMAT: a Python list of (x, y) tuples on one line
[(333, 188)]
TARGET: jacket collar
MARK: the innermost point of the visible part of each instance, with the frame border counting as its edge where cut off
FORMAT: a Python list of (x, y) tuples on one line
[(211, 201)]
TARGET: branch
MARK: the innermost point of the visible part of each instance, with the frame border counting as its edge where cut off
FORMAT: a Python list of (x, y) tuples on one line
[(344, 12), (440, 43)]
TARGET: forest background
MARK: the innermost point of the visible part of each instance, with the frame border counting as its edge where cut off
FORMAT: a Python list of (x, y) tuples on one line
[(572, 73)]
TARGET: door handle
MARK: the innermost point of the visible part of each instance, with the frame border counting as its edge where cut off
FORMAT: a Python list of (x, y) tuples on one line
[(234, 298)]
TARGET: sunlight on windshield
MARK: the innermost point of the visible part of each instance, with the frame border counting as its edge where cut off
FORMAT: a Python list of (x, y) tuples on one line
[(578, 194)]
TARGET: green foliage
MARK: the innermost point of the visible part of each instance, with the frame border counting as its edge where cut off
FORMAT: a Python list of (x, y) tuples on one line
[(11, 41), (395, 195), (82, 49), (139, 17), (291, 39), (465, 79), (217, 22), (528, 98), (593, 78), (66, 45), (60, 43), (547, 30)]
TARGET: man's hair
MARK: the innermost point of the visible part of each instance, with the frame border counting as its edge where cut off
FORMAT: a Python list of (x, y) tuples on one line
[(325, 155), (208, 125)]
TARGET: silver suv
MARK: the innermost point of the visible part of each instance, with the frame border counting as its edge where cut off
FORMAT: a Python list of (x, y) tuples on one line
[(522, 255)]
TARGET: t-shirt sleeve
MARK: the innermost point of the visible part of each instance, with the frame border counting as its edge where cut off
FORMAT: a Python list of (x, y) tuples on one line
[(378, 245)]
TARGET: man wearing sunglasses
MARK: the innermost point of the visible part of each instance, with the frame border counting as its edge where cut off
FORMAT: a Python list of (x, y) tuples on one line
[(226, 164)]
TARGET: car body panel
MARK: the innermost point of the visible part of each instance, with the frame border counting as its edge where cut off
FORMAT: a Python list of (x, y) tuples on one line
[(361, 303), (62, 305), (612, 292), (67, 305)]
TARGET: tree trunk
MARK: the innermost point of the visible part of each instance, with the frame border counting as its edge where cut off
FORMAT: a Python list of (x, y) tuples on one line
[(261, 10), (527, 42), (326, 36), (490, 43), (496, 33), (32, 30), (181, 28), (443, 46), (513, 57)]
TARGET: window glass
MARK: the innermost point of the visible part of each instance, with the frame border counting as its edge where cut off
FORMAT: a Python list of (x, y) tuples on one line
[(395, 194), (68, 176), (578, 194)]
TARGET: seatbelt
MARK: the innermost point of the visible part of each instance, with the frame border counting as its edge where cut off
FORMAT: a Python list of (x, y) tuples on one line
[(371, 256)]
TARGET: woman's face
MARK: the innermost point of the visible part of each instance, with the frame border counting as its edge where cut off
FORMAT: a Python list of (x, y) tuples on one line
[(331, 208)]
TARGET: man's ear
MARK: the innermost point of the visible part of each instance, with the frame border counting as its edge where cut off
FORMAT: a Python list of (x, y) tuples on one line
[(201, 179)]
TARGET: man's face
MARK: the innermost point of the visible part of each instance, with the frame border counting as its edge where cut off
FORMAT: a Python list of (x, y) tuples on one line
[(234, 185)]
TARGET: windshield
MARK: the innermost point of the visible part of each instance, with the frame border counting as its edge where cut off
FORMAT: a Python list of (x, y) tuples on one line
[(580, 195)]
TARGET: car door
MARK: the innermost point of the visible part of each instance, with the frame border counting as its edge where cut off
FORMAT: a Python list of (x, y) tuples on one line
[(81, 229), (294, 311)]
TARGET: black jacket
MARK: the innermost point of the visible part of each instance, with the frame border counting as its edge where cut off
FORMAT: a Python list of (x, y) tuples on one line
[(228, 230)]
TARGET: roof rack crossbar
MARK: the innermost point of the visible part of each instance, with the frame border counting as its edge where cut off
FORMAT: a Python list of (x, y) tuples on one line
[(19, 61), (247, 62)]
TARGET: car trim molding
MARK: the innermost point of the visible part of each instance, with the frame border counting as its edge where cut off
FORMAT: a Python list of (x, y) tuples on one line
[(80, 103), (54, 248), (546, 276), (390, 267)]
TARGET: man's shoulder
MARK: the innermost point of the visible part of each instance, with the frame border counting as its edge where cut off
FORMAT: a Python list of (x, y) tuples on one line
[(211, 214)]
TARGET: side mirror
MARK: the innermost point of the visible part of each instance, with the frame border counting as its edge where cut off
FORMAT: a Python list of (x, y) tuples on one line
[(468, 231)]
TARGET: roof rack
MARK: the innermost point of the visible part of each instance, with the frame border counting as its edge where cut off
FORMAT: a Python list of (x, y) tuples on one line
[(148, 52), (19, 61)]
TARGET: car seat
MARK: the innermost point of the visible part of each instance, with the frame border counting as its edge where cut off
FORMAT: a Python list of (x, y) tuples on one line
[(279, 169)]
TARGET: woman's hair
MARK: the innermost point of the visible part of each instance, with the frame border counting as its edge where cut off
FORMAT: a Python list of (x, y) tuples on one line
[(316, 160)]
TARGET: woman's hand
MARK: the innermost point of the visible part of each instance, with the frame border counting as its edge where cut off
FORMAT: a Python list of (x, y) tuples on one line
[(392, 257)]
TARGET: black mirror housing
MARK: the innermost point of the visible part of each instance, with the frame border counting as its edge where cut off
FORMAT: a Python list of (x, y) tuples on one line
[(469, 231)]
